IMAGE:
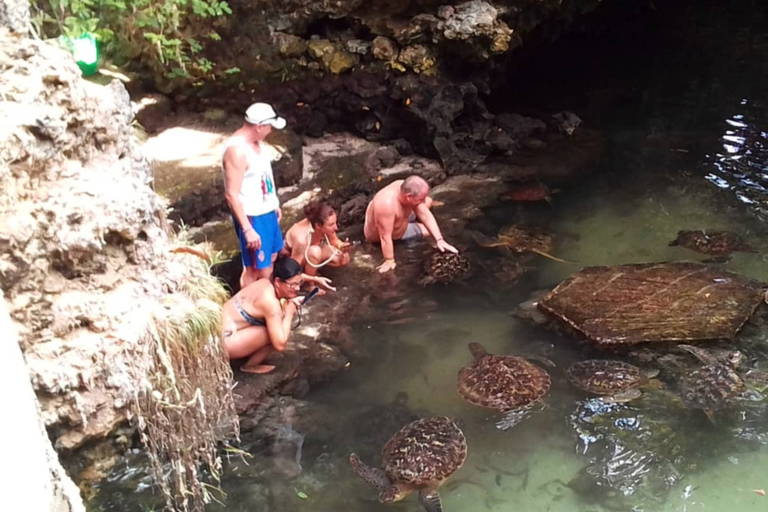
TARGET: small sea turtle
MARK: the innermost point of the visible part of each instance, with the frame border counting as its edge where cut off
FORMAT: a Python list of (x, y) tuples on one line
[(713, 243), (528, 193), (518, 240), (616, 381), (714, 385), (444, 267), (419, 457), (509, 384)]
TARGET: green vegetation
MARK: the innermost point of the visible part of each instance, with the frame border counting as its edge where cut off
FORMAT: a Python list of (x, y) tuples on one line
[(167, 36)]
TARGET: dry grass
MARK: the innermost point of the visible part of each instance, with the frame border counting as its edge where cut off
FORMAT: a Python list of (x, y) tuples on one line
[(184, 403)]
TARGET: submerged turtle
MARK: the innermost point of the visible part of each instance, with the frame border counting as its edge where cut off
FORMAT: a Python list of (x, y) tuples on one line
[(616, 381), (519, 240), (509, 384), (419, 457), (529, 193), (444, 267), (714, 385), (713, 243)]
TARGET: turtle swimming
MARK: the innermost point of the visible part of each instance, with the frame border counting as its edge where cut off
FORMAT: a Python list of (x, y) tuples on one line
[(419, 457), (713, 243), (519, 240), (615, 381), (509, 384), (444, 267), (713, 386), (529, 193)]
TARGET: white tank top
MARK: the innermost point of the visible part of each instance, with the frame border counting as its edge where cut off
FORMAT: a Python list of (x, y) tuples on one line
[(258, 193)]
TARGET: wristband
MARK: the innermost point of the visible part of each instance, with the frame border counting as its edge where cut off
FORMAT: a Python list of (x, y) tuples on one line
[(439, 239)]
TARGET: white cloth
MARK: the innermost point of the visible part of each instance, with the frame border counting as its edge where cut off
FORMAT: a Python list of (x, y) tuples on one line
[(258, 192)]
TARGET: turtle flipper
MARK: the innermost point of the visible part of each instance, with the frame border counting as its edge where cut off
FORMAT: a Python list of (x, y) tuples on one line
[(484, 240), (717, 259), (513, 417), (373, 476), (701, 354), (623, 396), (547, 255), (430, 500)]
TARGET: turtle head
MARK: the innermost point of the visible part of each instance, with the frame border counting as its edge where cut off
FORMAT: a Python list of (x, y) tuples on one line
[(392, 494), (477, 350), (735, 358)]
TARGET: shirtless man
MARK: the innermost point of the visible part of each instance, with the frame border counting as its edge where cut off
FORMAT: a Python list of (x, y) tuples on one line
[(257, 320), (401, 211)]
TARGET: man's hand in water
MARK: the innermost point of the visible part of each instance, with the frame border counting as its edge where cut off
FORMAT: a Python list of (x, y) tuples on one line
[(323, 283), (443, 246), (386, 266)]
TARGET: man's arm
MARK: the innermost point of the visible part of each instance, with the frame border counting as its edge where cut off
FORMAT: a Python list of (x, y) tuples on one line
[(424, 214), (425, 217), (385, 224), (279, 326), (235, 164)]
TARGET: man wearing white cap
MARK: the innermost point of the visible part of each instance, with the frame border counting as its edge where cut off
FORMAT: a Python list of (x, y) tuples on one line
[(251, 192)]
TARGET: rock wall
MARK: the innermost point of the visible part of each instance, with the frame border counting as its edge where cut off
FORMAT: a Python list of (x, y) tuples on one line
[(36, 473), (411, 72), (85, 256)]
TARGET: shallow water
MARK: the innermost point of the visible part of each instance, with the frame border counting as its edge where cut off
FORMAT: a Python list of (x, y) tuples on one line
[(686, 157)]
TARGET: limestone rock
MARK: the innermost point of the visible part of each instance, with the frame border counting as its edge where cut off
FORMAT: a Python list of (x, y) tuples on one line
[(476, 19), (83, 239), (290, 45), (417, 57), (384, 48), (319, 48), (339, 61)]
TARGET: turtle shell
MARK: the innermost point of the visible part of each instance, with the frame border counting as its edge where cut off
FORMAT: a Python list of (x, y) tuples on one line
[(502, 382), (425, 451), (521, 240), (711, 387), (444, 267), (713, 243), (604, 376)]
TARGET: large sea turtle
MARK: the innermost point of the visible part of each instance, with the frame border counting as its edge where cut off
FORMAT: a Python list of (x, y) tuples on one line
[(714, 385), (518, 240), (444, 267), (615, 381), (713, 243), (509, 384), (419, 457)]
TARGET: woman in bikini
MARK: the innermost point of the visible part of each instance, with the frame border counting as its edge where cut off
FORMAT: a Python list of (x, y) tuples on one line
[(313, 242), (258, 318)]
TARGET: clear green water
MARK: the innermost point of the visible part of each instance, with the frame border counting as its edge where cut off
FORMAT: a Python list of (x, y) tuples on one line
[(676, 158)]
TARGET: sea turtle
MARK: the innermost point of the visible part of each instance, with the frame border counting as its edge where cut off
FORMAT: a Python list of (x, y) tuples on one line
[(616, 381), (528, 193), (714, 385), (509, 384), (713, 243), (444, 267), (419, 457), (518, 240)]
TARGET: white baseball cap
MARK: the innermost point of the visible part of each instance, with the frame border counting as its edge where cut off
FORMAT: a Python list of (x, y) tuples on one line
[(263, 113)]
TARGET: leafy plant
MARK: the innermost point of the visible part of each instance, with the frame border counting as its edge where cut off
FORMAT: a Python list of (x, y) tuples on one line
[(164, 35)]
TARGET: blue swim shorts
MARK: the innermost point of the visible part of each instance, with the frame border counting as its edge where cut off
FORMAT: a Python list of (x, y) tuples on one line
[(268, 228)]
